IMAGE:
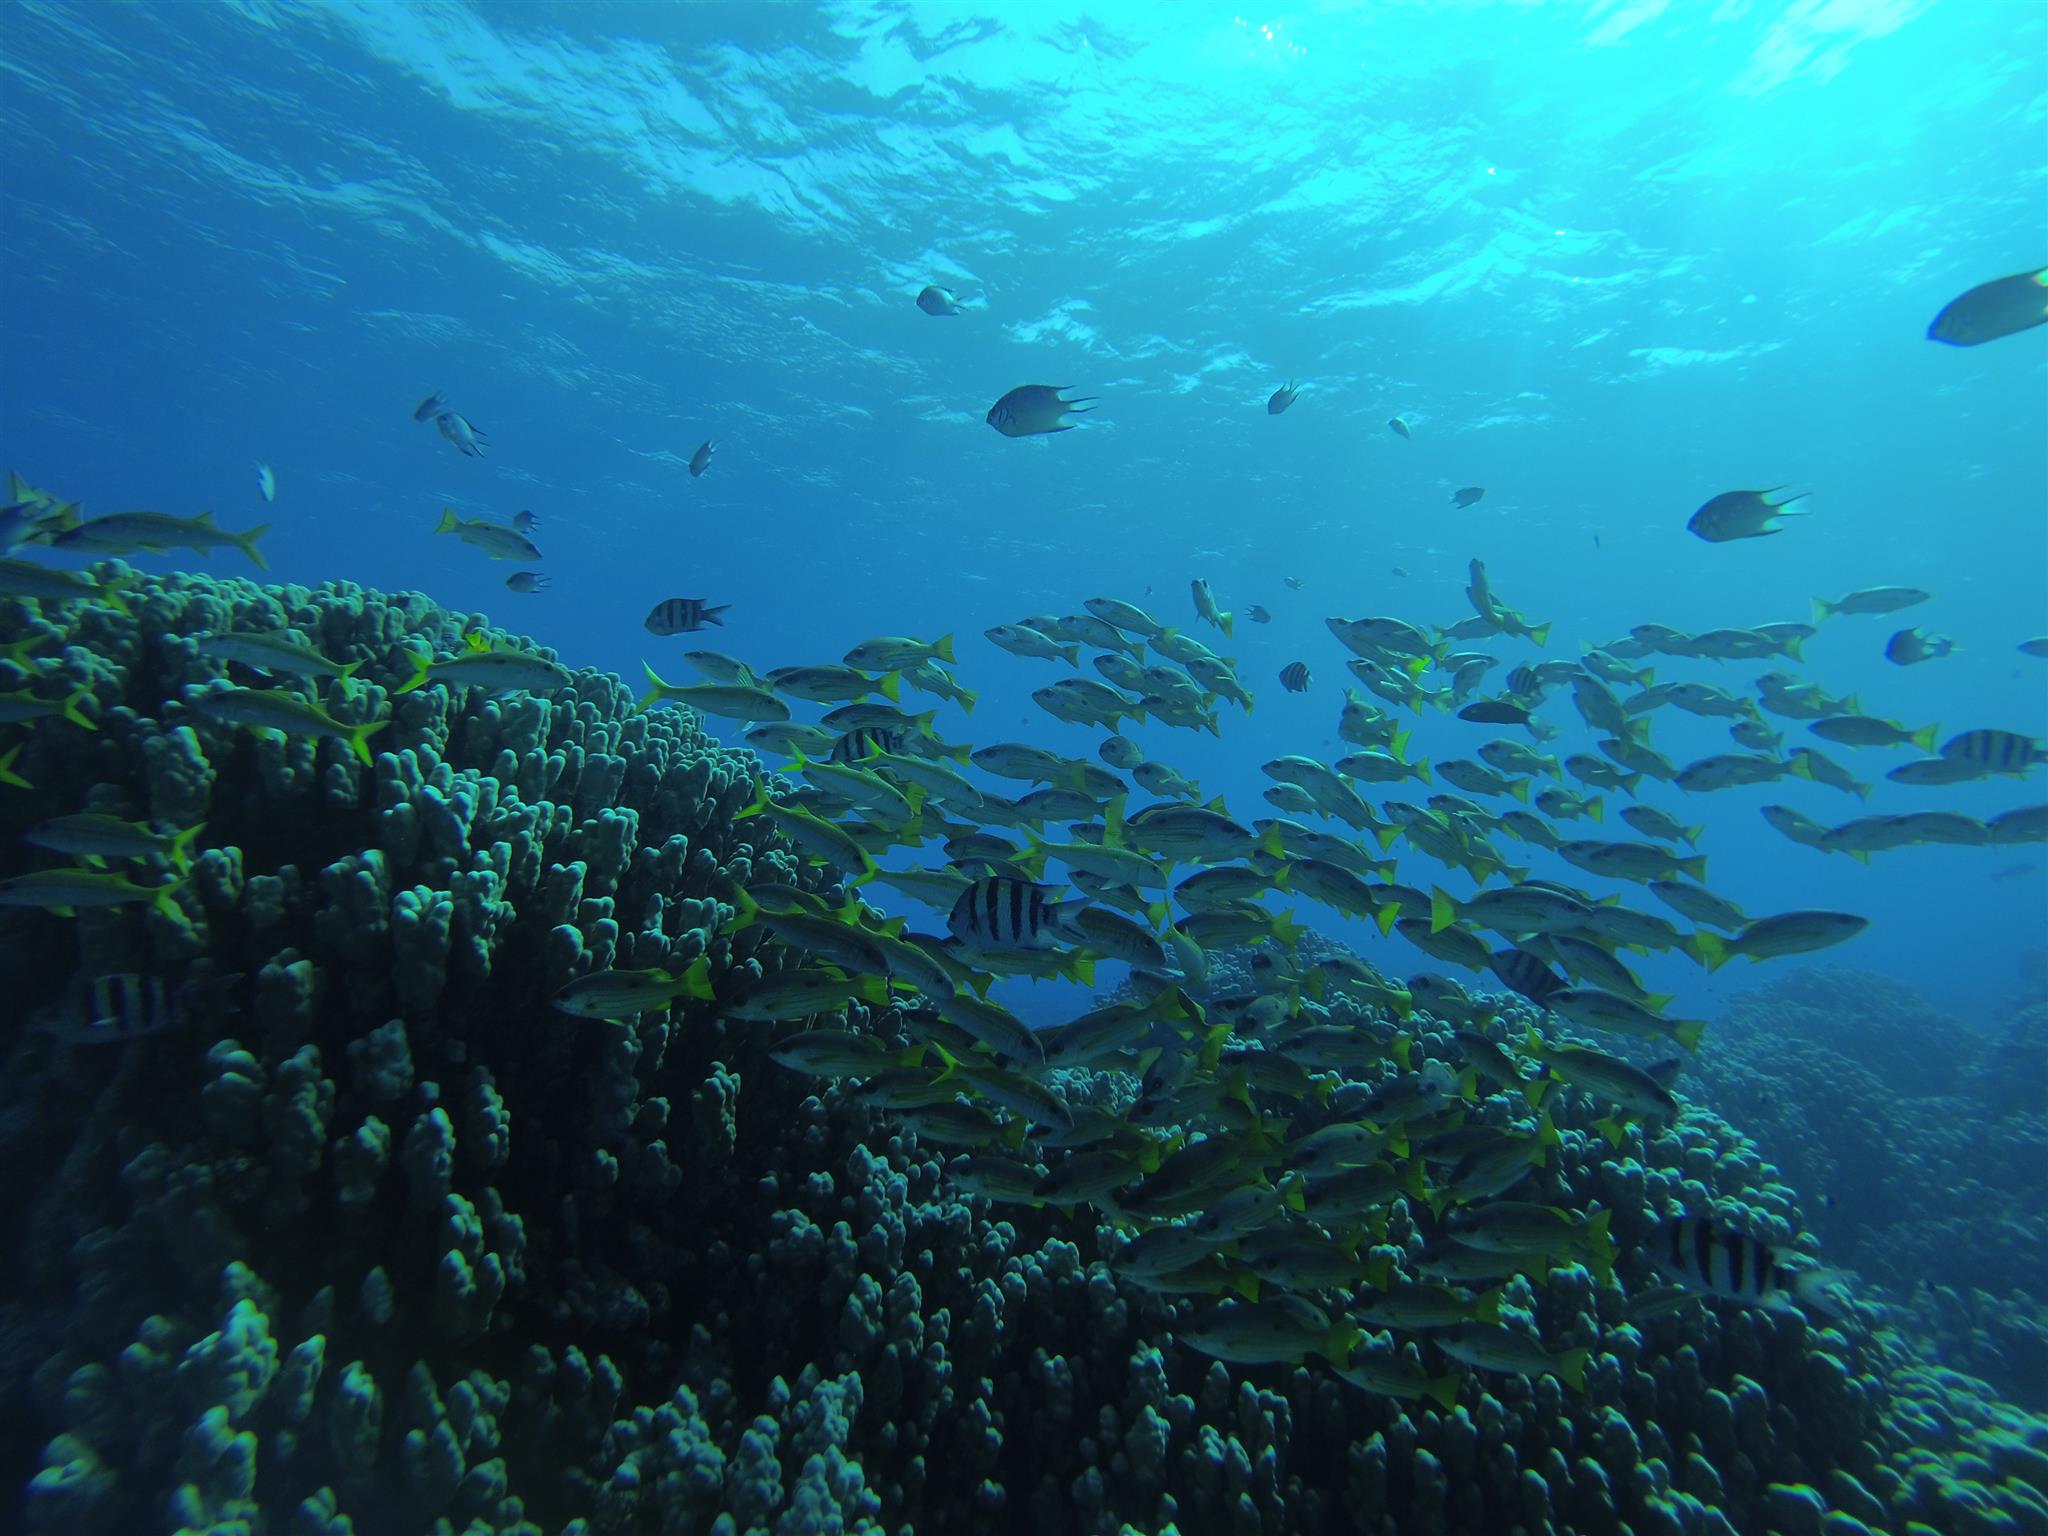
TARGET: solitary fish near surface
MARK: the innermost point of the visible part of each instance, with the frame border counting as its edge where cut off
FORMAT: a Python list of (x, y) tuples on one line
[(1399, 428), (2003, 307), (701, 459), (1031, 410), (1282, 398), (266, 482), (1742, 515), (1468, 496), (936, 301)]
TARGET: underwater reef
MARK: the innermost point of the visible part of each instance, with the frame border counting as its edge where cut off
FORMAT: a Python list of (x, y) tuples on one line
[(1925, 1135), (380, 1241)]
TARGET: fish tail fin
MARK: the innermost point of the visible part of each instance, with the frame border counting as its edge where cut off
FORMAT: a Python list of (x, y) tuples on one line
[(72, 712), (1443, 909), (359, 738), (1696, 866), (181, 846), (966, 698), (1815, 1288), (1519, 788), (1571, 1368), (1443, 1390), (1823, 610), (349, 671), (449, 522), (1597, 808), (1541, 634), (1924, 737), (891, 684), (422, 664), (7, 774), (1708, 948), (1420, 768), (695, 982), (1611, 1128), (246, 543), (1688, 1033), (1072, 654), (656, 688), (1338, 1343), (161, 899), (943, 648), (758, 804)]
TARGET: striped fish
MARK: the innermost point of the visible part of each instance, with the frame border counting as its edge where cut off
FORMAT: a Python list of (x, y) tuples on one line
[(1294, 677), (864, 741), (125, 1005), (1523, 973), (684, 615), (1003, 912), (1714, 1260), (1999, 751)]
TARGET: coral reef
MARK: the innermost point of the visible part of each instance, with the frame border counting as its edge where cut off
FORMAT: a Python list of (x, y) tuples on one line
[(1918, 1138), (376, 1240)]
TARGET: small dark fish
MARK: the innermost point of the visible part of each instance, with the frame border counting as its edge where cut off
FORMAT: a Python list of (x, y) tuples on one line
[(525, 521), (1524, 682), (430, 407), (684, 616), (2003, 307), (1257, 614), (1495, 712), (1031, 410), (1399, 428), (1468, 496), (1294, 677), (701, 459), (2014, 871), (1910, 646), (1523, 973), (1399, 572), (1282, 398), (528, 581), (1292, 582), (1742, 515), (936, 301)]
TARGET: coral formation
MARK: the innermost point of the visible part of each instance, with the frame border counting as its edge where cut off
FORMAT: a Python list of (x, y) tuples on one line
[(376, 1240)]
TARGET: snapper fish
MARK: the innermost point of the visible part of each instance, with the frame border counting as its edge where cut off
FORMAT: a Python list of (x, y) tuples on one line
[(1031, 410), (1869, 600), (1743, 515), (285, 713), (481, 666), (127, 533), (1206, 609), (1710, 1259), (684, 615), (494, 539)]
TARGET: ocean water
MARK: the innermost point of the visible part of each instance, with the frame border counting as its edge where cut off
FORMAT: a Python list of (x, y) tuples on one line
[(1605, 260)]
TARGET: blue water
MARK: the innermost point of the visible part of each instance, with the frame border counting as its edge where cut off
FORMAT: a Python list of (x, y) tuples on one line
[(1608, 260)]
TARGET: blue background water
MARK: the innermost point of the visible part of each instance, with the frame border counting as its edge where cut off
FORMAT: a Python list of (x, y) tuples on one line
[(1606, 259)]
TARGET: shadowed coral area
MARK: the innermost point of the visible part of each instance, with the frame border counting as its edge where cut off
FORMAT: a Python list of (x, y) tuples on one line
[(380, 1241)]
